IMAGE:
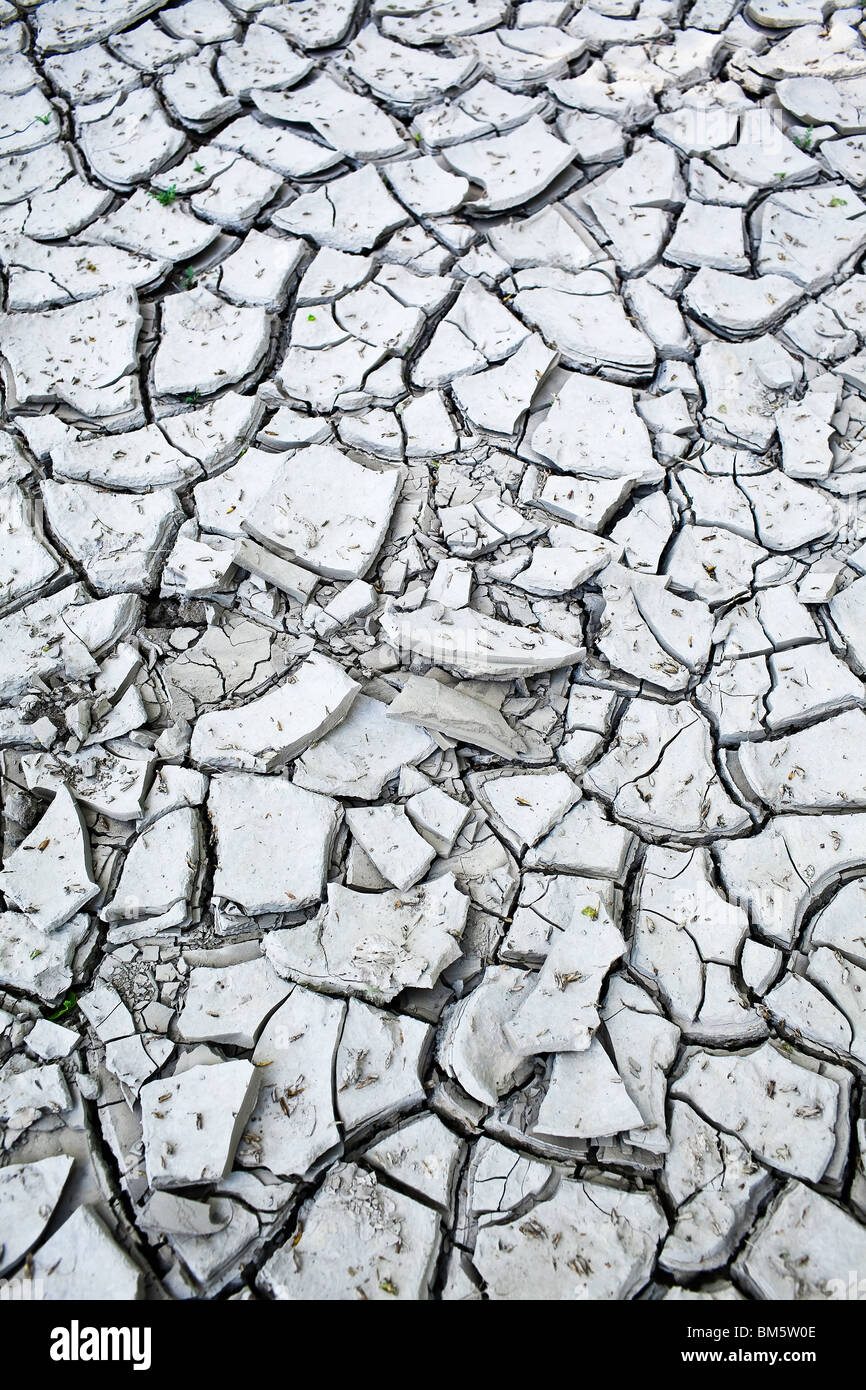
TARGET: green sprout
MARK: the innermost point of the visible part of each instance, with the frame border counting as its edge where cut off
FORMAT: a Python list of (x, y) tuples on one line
[(310, 318), (34, 954), (166, 197), (591, 912), (199, 168), (804, 142), (839, 202), (189, 278), (193, 397), (43, 120), (66, 1007)]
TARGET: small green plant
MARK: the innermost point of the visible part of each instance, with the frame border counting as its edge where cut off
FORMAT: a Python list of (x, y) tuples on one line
[(66, 1007), (166, 196), (199, 168), (804, 142), (193, 397), (781, 176), (591, 912), (311, 318), (43, 120), (189, 278), (34, 954), (839, 202), (417, 136)]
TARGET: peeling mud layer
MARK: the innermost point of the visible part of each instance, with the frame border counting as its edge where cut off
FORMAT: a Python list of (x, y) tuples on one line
[(432, 649)]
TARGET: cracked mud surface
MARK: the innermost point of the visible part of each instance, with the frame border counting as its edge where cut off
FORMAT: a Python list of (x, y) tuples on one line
[(432, 644)]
